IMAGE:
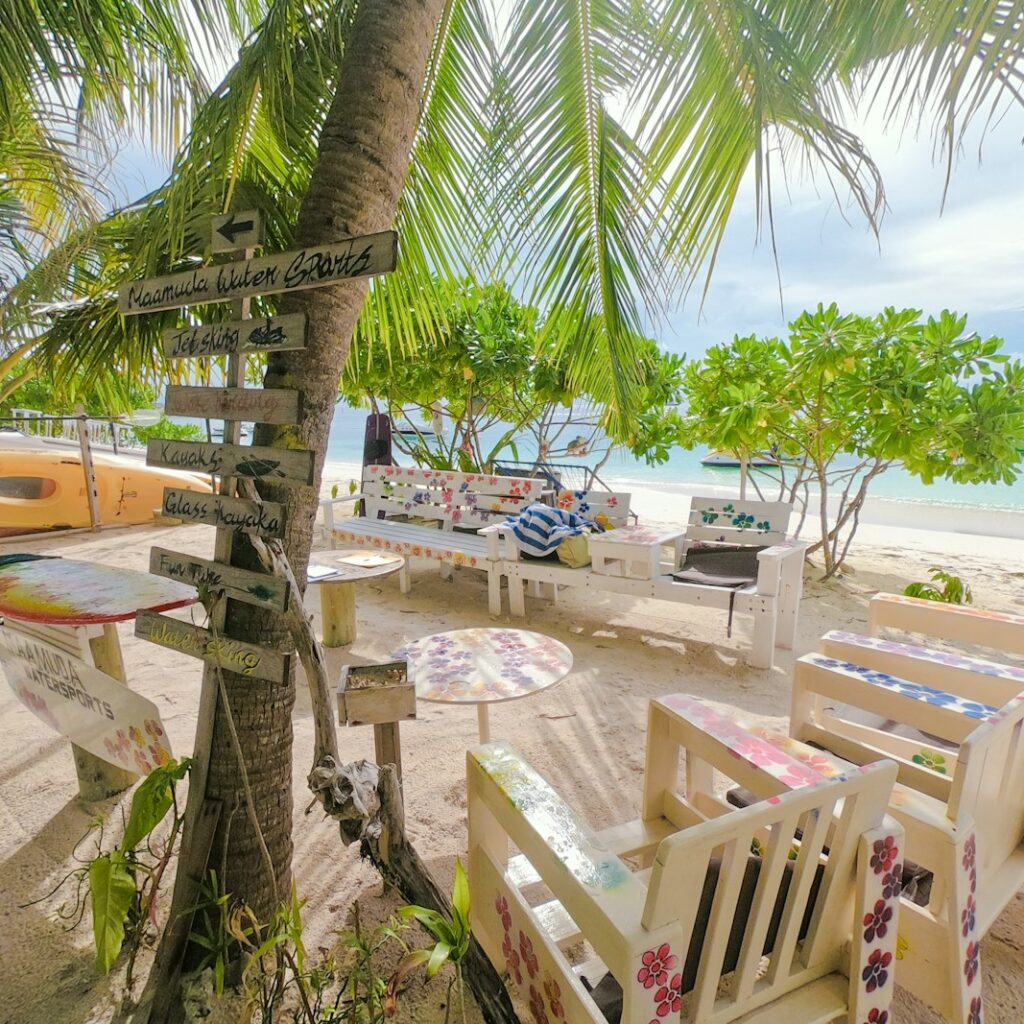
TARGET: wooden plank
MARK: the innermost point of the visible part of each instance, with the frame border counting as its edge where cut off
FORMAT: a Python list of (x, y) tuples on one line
[(261, 405), (278, 464), (282, 272), (239, 584), (232, 337), (233, 655), (265, 518), (242, 229)]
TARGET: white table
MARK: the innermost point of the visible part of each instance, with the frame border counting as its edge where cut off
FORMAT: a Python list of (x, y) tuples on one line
[(484, 667), (633, 551), (338, 587)]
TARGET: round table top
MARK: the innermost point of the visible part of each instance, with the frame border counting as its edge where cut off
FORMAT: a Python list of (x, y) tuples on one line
[(484, 666), (66, 592), (352, 565)]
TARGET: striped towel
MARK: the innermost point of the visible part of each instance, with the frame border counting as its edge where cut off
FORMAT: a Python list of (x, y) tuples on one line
[(539, 529)]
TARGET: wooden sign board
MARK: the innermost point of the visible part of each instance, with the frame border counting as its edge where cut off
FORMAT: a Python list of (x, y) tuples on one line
[(233, 655), (242, 230), (265, 518), (260, 405), (86, 705), (271, 334), (239, 584), (281, 465), (265, 275)]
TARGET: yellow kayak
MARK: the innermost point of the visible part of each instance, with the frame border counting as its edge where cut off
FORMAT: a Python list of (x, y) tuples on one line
[(43, 487)]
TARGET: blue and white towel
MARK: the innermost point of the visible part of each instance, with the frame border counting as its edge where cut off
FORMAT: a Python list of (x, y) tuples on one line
[(539, 529)]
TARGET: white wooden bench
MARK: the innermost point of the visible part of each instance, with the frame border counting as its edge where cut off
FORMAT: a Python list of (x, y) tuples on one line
[(773, 600), (397, 500), (778, 897)]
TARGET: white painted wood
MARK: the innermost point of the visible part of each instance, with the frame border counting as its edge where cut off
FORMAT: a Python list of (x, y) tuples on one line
[(265, 275)]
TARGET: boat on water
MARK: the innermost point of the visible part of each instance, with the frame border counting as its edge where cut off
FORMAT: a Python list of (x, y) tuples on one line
[(42, 487), (728, 460)]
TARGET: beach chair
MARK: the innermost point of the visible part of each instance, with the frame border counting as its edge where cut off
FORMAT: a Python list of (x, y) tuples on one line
[(782, 911), (954, 725)]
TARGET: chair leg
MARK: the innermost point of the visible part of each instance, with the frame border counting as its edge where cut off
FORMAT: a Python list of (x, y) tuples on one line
[(516, 597), (762, 645), (789, 607), (964, 961), (494, 591), (534, 588), (447, 572), (405, 579)]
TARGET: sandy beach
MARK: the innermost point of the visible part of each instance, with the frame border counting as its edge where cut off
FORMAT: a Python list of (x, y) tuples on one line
[(586, 735)]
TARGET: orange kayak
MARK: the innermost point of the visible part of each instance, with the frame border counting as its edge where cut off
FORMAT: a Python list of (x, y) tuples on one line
[(43, 488)]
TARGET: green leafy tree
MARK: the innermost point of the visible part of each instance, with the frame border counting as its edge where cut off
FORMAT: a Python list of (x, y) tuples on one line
[(489, 375), (847, 397)]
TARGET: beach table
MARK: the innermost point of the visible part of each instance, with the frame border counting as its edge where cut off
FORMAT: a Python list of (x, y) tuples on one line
[(73, 606), (484, 667), (336, 573)]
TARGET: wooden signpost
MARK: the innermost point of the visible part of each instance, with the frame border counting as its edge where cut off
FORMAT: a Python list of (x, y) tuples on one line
[(250, 461), (271, 334), (273, 405), (235, 655), (284, 272), (233, 403)]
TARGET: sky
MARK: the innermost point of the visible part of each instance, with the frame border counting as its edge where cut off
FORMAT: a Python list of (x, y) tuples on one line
[(967, 256)]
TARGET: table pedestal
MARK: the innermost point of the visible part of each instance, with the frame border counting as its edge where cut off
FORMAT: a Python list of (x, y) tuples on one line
[(97, 778), (338, 612)]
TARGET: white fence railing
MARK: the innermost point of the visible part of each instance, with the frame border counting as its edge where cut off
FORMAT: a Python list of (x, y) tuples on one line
[(102, 433)]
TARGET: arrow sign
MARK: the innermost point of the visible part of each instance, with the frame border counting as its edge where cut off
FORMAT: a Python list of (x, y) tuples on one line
[(238, 230)]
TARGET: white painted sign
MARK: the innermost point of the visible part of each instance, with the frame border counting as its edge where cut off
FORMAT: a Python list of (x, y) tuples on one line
[(84, 704), (283, 272), (240, 230)]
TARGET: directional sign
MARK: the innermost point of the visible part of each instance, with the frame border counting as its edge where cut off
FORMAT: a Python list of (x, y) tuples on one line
[(234, 655), (260, 405), (84, 704), (284, 272), (265, 518), (239, 584), (271, 334), (281, 465), (241, 230)]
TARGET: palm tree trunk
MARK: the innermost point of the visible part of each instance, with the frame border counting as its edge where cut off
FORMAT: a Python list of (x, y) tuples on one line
[(355, 187)]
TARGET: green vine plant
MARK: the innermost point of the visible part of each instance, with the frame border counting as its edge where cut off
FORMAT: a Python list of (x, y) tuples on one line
[(122, 883), (944, 587)]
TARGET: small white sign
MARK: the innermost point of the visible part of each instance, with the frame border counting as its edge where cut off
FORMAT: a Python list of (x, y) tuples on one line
[(84, 704), (240, 230)]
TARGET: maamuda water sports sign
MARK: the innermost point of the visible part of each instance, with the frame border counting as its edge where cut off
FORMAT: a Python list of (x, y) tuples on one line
[(84, 704)]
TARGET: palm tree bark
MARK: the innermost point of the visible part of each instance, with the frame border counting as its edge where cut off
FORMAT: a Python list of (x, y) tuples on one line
[(364, 154)]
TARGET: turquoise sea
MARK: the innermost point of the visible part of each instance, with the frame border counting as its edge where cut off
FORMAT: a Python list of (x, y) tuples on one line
[(346, 445)]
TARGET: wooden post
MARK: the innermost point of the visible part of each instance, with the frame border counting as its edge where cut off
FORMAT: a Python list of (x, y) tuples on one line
[(387, 746), (99, 779), (338, 612), (88, 470), (743, 478)]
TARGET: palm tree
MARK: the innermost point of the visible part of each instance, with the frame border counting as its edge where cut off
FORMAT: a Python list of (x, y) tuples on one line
[(592, 150)]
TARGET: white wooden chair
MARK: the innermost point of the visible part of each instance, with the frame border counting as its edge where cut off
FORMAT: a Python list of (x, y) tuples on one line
[(954, 725), (773, 600), (399, 498), (710, 932)]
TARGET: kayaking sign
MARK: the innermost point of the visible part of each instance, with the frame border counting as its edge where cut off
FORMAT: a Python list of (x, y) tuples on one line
[(86, 705)]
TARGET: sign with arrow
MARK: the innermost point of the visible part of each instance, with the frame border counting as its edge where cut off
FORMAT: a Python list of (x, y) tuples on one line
[(239, 230)]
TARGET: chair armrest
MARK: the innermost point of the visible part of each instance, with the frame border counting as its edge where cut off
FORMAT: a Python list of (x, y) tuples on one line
[(494, 534), (782, 551), (596, 888)]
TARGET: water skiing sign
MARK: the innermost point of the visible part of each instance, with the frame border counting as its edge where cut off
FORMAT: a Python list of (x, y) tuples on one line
[(264, 275)]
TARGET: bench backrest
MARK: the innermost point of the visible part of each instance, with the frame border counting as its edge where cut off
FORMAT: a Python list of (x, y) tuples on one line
[(613, 505), (454, 499), (738, 522), (805, 920)]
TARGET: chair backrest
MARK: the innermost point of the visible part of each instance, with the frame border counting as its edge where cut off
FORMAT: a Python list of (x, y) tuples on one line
[(738, 522), (965, 624), (801, 914), (455, 499), (613, 505)]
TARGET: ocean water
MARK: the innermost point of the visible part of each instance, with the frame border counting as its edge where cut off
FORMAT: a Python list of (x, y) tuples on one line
[(622, 469)]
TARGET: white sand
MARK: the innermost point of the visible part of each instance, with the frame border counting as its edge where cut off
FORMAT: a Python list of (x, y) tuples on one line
[(586, 735)]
